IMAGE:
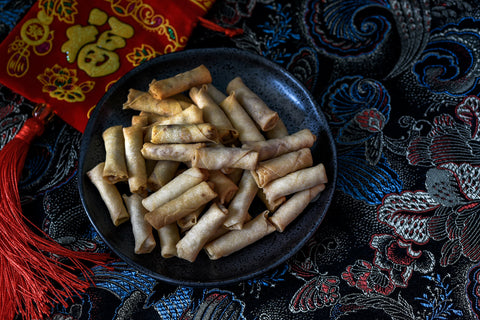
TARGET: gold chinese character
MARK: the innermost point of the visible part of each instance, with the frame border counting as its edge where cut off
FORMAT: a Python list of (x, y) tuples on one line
[(97, 56)]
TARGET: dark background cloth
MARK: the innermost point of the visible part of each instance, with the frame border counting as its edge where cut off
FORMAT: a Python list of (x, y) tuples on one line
[(398, 82)]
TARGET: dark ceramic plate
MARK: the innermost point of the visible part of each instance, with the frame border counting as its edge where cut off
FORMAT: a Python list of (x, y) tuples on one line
[(282, 93)]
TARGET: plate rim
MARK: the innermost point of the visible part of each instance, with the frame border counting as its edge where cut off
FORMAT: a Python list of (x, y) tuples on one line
[(204, 51)]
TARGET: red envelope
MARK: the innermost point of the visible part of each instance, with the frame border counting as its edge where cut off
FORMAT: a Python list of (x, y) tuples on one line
[(67, 53)]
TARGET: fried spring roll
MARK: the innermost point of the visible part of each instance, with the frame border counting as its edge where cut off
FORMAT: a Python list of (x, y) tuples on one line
[(213, 114), (178, 185), (182, 152), (228, 170), (279, 131), (163, 172), (168, 236), (183, 133), (193, 241), (280, 166), (183, 99), (115, 163), (273, 205), (265, 117), (224, 157), (109, 194), (181, 82), (140, 120), (217, 95), (142, 231), (275, 147), (177, 208), (150, 165), (238, 207), (222, 230), (235, 174), (246, 127), (190, 219), (190, 115), (143, 101), (235, 240), (137, 170), (223, 186), (295, 182), (294, 206)]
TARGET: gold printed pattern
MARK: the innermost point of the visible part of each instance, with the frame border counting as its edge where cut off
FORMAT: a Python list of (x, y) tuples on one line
[(146, 16), (18, 64), (204, 4), (97, 17), (64, 10), (97, 56), (78, 35), (89, 112), (61, 83), (141, 54), (35, 34)]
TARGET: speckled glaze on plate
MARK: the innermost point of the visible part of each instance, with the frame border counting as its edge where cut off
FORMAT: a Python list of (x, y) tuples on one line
[(282, 93)]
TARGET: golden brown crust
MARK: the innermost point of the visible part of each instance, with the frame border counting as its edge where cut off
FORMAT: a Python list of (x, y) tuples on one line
[(265, 117), (164, 88)]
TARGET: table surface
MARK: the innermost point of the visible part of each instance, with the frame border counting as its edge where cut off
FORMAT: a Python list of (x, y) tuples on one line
[(398, 83)]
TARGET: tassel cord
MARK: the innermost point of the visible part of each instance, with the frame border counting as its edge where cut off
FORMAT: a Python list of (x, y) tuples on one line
[(32, 278), (231, 32)]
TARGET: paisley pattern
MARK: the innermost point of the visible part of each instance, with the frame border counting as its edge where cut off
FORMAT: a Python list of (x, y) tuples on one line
[(449, 63), (358, 109), (343, 28), (398, 81)]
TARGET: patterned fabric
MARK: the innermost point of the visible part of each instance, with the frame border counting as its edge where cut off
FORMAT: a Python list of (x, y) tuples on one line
[(67, 54), (398, 81)]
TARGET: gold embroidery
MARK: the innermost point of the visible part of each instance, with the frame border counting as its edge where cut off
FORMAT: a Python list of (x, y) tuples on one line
[(39, 39), (45, 47), (204, 4), (141, 54), (61, 83), (89, 112), (78, 36), (98, 62), (146, 16), (18, 63), (97, 17), (64, 10), (35, 33), (115, 38), (110, 84), (98, 58)]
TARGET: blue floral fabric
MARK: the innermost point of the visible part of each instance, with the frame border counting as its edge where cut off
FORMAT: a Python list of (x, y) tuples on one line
[(398, 81)]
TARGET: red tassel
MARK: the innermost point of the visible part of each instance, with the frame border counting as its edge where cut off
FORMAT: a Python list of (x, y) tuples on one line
[(32, 280), (231, 32)]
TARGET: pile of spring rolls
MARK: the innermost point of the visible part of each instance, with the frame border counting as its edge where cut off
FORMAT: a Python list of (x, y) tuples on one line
[(195, 158)]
